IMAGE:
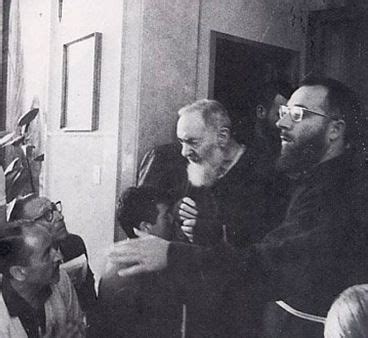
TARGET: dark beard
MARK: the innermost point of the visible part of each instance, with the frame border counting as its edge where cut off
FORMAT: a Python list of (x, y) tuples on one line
[(272, 136), (303, 154)]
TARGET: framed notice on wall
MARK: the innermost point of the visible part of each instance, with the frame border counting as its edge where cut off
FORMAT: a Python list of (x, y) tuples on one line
[(81, 83)]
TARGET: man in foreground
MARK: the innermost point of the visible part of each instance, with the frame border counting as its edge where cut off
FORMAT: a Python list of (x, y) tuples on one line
[(145, 305), (321, 247), (72, 247), (37, 298)]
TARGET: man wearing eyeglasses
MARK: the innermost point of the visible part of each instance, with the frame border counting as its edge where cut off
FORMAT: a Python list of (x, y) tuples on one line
[(321, 247), (72, 247)]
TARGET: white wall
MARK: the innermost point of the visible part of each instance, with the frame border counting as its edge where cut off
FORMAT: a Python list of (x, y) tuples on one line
[(73, 158), (159, 75)]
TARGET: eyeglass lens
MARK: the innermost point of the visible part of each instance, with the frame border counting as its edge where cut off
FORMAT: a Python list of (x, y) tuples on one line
[(296, 113), (49, 214)]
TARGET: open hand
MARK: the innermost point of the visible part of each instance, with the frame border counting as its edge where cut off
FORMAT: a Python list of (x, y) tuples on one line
[(142, 255)]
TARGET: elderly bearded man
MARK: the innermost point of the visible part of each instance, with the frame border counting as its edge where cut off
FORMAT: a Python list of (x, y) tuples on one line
[(225, 193), (321, 247)]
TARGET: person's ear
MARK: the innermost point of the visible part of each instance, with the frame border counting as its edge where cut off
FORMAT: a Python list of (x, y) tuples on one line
[(261, 112), (18, 272), (336, 130), (224, 136), (145, 227)]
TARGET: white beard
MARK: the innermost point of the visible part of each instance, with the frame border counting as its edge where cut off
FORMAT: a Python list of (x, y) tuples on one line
[(203, 174)]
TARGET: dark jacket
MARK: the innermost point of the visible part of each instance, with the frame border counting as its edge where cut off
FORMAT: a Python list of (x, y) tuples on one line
[(320, 249), (243, 200), (238, 201), (135, 307)]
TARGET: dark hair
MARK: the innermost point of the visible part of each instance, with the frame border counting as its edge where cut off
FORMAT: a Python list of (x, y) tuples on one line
[(344, 104), (348, 315), (266, 93), (139, 204), (213, 112), (13, 250)]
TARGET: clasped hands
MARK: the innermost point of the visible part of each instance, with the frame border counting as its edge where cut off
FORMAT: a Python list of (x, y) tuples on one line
[(188, 214)]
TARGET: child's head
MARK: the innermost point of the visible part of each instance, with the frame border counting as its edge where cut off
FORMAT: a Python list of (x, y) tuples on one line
[(348, 315), (148, 209)]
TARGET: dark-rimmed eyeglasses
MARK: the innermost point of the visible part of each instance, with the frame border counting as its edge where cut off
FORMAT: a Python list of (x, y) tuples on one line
[(296, 113), (48, 214)]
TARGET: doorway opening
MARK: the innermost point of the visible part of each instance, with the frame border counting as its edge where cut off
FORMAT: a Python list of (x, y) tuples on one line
[(238, 67)]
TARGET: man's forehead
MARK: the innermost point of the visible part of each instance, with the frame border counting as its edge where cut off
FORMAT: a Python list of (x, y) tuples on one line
[(311, 97), (190, 125), (37, 238)]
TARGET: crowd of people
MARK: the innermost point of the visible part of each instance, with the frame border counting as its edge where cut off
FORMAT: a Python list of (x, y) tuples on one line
[(224, 239)]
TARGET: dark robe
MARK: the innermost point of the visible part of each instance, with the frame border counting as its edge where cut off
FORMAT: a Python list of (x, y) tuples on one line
[(137, 307), (320, 249)]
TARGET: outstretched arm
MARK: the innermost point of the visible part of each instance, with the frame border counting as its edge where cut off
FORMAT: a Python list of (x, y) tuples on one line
[(143, 255)]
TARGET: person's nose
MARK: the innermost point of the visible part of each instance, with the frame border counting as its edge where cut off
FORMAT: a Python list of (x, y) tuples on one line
[(58, 256), (58, 216), (186, 150), (284, 122)]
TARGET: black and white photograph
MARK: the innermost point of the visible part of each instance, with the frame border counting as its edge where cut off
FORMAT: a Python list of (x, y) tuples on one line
[(184, 169)]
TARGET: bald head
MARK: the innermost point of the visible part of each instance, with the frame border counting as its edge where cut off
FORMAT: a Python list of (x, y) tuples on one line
[(44, 211), (35, 207)]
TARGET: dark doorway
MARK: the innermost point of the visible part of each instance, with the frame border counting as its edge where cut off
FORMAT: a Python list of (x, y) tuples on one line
[(338, 46), (238, 68)]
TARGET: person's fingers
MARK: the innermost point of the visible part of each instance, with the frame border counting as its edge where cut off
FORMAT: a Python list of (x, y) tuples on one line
[(187, 230), (188, 208), (131, 270), (128, 250), (189, 222), (186, 215), (189, 201), (127, 243), (189, 237), (127, 258), (140, 233)]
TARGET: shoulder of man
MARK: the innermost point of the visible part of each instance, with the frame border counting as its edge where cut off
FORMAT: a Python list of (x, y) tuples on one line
[(72, 246)]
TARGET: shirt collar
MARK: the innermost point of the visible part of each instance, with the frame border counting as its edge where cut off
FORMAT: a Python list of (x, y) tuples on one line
[(15, 303)]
